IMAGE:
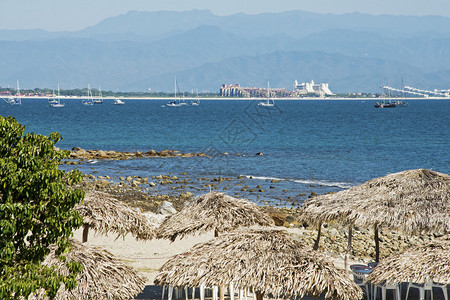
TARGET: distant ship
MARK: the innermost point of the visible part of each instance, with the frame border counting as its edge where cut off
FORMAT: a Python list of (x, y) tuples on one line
[(385, 104)]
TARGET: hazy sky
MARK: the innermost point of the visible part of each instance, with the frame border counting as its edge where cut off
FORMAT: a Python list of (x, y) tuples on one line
[(61, 15)]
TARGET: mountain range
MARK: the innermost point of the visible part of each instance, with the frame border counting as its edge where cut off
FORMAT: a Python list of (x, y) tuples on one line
[(141, 50)]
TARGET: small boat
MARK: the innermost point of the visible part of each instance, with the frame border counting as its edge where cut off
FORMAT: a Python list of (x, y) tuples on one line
[(384, 103), (195, 102), (56, 102), (117, 101), (269, 101), (17, 99), (88, 100), (99, 100), (52, 100), (401, 103), (176, 102)]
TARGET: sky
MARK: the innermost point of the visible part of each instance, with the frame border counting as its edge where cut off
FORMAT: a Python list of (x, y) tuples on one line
[(72, 15)]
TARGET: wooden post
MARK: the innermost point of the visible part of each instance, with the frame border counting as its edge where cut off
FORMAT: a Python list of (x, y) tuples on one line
[(221, 292), (377, 244), (316, 243), (259, 296), (349, 244), (85, 232)]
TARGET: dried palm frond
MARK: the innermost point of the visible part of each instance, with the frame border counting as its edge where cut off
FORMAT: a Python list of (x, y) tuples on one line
[(410, 201), (103, 276), (105, 214), (213, 211), (262, 260), (420, 264)]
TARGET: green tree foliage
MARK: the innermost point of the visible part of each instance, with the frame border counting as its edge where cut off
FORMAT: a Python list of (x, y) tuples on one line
[(36, 210)]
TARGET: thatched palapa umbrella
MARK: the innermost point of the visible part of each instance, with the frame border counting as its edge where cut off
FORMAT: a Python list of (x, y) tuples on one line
[(105, 214), (213, 211), (103, 276), (419, 264), (411, 201), (267, 261)]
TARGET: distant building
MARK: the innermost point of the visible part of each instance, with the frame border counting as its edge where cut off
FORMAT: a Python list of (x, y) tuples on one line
[(305, 88), (235, 90), (232, 90)]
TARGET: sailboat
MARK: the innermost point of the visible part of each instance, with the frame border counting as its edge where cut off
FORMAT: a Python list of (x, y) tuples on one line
[(402, 102), (53, 99), (269, 101), (385, 104), (57, 102), (99, 100), (88, 100), (176, 101), (17, 99), (195, 102)]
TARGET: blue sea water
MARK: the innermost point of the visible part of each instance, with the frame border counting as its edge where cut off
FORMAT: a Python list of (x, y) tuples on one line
[(310, 146)]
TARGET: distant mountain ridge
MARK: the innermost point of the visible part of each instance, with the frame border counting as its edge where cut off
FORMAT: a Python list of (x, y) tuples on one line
[(296, 24), (141, 50)]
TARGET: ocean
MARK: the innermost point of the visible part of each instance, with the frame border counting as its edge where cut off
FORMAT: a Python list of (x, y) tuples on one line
[(307, 147)]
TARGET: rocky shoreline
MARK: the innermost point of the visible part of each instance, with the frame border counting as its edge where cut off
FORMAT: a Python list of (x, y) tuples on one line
[(82, 155)]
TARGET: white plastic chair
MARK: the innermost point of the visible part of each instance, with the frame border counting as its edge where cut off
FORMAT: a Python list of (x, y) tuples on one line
[(202, 292), (387, 286), (360, 279), (428, 286), (231, 291)]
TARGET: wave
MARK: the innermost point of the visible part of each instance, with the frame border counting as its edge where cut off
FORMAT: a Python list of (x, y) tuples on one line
[(342, 185)]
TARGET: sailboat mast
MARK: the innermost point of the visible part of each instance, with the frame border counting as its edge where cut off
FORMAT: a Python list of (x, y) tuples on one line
[(389, 93), (175, 86)]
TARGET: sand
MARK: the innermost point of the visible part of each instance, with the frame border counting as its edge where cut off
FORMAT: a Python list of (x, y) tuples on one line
[(146, 257)]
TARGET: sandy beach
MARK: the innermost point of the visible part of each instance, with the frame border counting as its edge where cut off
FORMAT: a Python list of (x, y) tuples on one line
[(144, 256)]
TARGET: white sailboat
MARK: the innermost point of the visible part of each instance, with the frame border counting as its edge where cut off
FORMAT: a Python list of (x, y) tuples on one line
[(17, 99), (195, 102), (52, 99), (176, 101), (88, 100), (269, 101), (99, 100), (57, 102)]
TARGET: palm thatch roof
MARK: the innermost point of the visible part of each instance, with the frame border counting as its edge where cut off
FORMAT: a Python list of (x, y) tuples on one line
[(420, 264), (268, 261), (411, 201), (105, 214), (103, 276), (213, 211)]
